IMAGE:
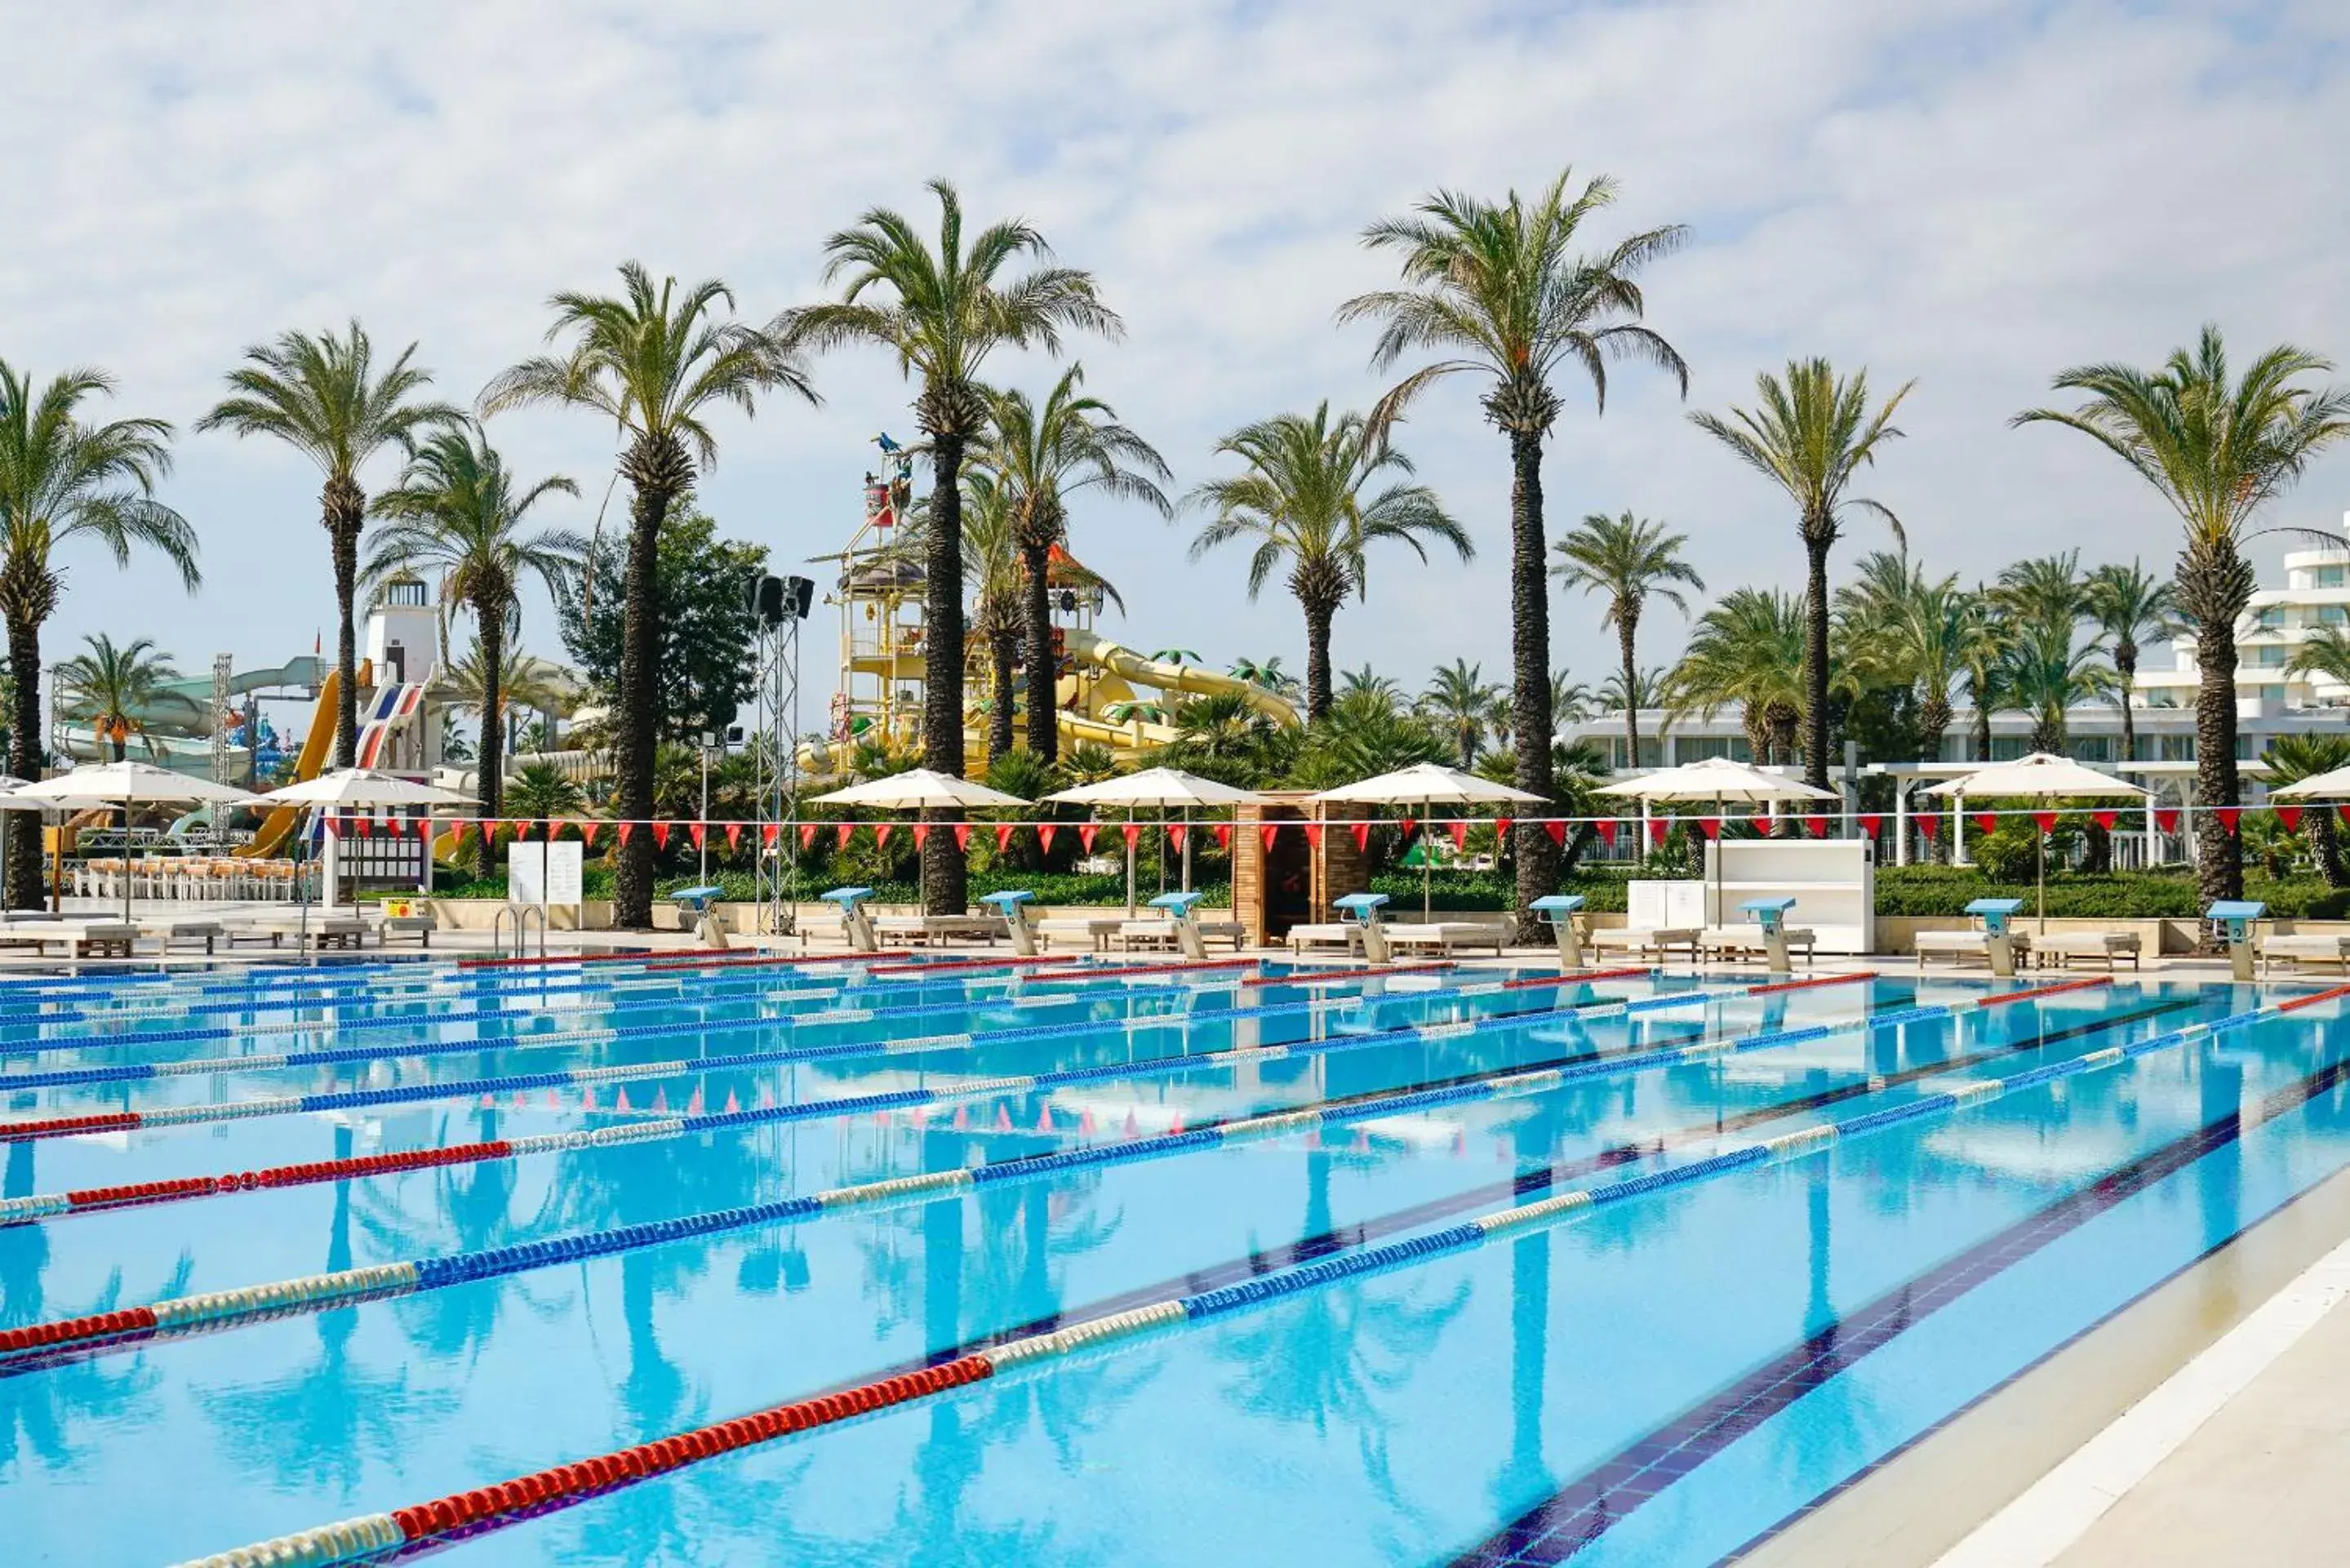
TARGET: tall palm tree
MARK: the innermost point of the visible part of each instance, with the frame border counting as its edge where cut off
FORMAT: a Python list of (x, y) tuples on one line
[(1461, 702), (457, 510), (1502, 293), (1940, 633), (322, 396), (2217, 449), (1042, 455), (1747, 649), (1302, 504), (1811, 433), (943, 311), (1645, 689), (1628, 558), (112, 687), (61, 479), (2043, 591), (656, 361), (1570, 699), (2130, 606)]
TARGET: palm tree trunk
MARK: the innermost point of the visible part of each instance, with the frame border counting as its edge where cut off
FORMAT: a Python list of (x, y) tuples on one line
[(2126, 669), (654, 471), (492, 769), (1036, 611), (1003, 652), (1530, 715), (1627, 623), (24, 891), (2219, 861), (1815, 659), (345, 504), (2325, 845), (1318, 616), (1980, 681), (945, 889)]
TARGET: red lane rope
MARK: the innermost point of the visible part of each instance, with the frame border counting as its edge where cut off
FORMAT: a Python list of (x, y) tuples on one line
[(2005, 997), (1808, 984), (97, 1325), (1575, 977), (2332, 993)]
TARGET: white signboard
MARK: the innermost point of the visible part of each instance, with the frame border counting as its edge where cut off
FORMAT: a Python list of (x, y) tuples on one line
[(546, 873)]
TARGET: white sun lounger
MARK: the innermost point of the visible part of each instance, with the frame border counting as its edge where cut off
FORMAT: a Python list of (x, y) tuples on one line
[(2307, 947), (918, 931), (1747, 942), (1447, 936), (1133, 934), (1964, 947), (169, 929), (323, 930), (1643, 942), (80, 938), (1080, 929), (2058, 949), (1329, 934)]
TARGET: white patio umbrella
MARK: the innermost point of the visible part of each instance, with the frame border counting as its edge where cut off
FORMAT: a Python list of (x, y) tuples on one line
[(2041, 775), (2333, 785), (125, 784), (1721, 781), (1161, 789), (920, 789), (1428, 785), (360, 786)]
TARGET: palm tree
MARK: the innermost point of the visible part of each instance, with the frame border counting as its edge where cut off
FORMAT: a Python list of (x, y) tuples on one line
[(2293, 758), (2217, 449), (1461, 702), (1042, 456), (1503, 295), (1570, 699), (1628, 558), (1938, 634), (1367, 678), (2325, 651), (2130, 606), (942, 312), (2045, 674), (322, 397), (541, 791), (1747, 649), (110, 687), (1302, 504), (1812, 434), (2044, 591), (656, 361), (457, 510), (63, 479)]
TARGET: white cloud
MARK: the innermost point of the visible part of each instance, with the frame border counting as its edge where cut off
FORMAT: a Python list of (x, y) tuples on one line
[(1968, 193)]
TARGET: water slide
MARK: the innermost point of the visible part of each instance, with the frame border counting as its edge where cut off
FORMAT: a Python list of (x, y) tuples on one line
[(1121, 669), (318, 745), (176, 722)]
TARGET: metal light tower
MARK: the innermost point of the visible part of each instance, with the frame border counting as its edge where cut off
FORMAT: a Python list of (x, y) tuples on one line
[(779, 606)]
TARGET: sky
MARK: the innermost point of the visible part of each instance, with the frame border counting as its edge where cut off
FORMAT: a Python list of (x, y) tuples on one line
[(1970, 193)]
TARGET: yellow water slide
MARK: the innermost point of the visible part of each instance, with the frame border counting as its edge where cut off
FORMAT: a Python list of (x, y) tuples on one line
[(1122, 670), (318, 745)]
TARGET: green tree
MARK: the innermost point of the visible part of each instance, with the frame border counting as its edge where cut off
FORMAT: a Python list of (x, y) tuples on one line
[(2043, 591), (1628, 558), (2325, 651), (704, 661), (1042, 455), (1503, 295), (459, 512), (1811, 434), (541, 791), (1922, 636), (2044, 672), (1747, 649), (1461, 702), (943, 311), (1361, 735), (1643, 689), (322, 397), (1301, 504), (1367, 678), (2217, 449), (65, 479), (657, 363), (2131, 605), (111, 687), (2293, 758)]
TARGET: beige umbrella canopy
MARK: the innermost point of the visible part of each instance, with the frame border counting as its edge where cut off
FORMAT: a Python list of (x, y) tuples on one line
[(1157, 789), (362, 786), (2333, 785), (920, 789), (2041, 775), (125, 784), (1428, 784)]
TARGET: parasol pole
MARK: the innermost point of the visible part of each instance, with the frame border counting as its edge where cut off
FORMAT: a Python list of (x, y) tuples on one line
[(126, 855), (1427, 848), (1130, 865), (1186, 850)]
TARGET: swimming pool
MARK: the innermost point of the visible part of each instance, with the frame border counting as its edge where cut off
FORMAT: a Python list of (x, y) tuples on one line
[(676, 1260)]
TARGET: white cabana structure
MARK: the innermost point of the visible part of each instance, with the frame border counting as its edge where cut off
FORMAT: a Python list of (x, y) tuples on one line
[(1428, 785), (1157, 789), (346, 788)]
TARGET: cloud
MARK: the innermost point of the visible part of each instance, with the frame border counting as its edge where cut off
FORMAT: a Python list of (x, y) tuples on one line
[(1966, 192)]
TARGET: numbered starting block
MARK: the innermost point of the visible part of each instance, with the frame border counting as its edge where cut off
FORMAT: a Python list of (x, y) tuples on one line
[(856, 922), (702, 905), (1182, 913), (1558, 911), (1771, 916), (1013, 904), (2233, 919), (1367, 910), (1998, 917)]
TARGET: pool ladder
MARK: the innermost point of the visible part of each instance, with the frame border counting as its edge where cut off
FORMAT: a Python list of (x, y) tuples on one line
[(524, 914)]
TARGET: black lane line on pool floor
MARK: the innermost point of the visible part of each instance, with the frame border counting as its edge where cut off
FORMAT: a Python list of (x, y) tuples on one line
[(1604, 1496)]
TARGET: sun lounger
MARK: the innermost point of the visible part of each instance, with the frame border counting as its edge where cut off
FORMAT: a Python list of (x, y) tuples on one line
[(1447, 936), (2307, 947), (1729, 942), (2058, 949), (1343, 934), (80, 938), (919, 930), (1644, 941), (1965, 947), (322, 929), (390, 926), (1133, 934), (169, 929), (1081, 929)]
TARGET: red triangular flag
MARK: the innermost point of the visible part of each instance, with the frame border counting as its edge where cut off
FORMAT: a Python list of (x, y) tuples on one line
[(1709, 826), (1045, 831), (2290, 816), (1361, 834), (1129, 831), (921, 834), (588, 832), (1870, 822), (1928, 826), (1657, 828), (458, 827), (364, 824), (699, 832), (660, 835), (1987, 821), (1086, 833), (1605, 828), (962, 836), (1460, 831), (2344, 810), (2044, 820), (1816, 825), (2228, 815), (2105, 817), (733, 836), (767, 832), (1266, 833), (1502, 829), (881, 831), (1176, 834), (1313, 834), (1003, 837), (622, 829), (2165, 819), (1224, 832), (1407, 826), (807, 836), (844, 830)]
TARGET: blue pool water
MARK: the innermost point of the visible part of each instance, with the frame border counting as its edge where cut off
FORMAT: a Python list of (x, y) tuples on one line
[(1660, 1378)]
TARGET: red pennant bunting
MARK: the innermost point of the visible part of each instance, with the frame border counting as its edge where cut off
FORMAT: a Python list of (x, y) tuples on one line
[(1501, 828), (1177, 832), (1709, 826), (1129, 831), (1407, 826), (1268, 832), (1816, 825), (1086, 833), (1605, 827), (1045, 831), (1224, 832), (1928, 826), (363, 825), (733, 836), (2044, 820), (587, 833), (2345, 809), (881, 831), (845, 829), (621, 830), (1459, 832), (457, 828), (2290, 816), (1361, 834), (921, 834), (1003, 837), (699, 832), (2165, 819), (1657, 828), (2105, 818), (660, 835), (807, 836), (1870, 822), (1987, 821), (2228, 815), (961, 837), (768, 831), (1313, 834)]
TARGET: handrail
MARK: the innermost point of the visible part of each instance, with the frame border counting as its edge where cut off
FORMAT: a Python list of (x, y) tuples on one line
[(523, 915)]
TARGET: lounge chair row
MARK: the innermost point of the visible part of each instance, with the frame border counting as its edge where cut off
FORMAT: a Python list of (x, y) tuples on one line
[(97, 936)]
